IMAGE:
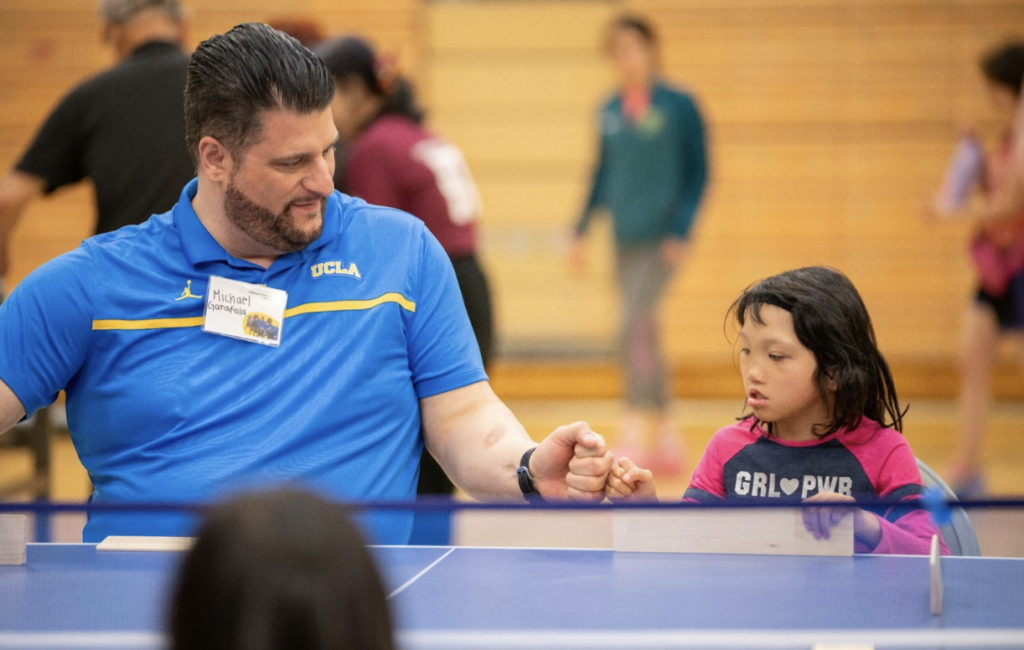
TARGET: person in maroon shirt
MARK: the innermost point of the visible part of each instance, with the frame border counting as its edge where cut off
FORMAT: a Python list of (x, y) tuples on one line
[(392, 160)]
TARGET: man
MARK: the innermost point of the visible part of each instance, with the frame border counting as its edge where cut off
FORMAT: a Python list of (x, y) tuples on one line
[(169, 399), (124, 128)]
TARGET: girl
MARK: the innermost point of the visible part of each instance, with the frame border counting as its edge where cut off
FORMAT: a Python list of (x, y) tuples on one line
[(394, 161), (822, 401), (650, 176)]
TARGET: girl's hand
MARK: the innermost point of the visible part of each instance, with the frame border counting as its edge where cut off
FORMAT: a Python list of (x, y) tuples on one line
[(627, 482), (821, 520)]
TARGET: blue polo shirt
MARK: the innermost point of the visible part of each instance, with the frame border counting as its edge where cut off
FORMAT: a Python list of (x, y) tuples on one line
[(161, 411)]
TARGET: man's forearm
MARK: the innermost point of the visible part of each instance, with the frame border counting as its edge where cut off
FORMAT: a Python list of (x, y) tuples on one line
[(477, 440)]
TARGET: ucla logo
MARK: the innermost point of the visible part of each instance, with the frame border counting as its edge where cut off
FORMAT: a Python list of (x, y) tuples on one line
[(335, 267)]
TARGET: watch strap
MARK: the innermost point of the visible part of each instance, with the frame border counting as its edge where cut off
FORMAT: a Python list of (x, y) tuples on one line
[(526, 485)]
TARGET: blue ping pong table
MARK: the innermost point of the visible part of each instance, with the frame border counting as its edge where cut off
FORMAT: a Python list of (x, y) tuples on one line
[(73, 596)]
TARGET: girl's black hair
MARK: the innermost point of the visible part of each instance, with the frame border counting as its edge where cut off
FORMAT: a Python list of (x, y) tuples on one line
[(1005, 66), (831, 321), (349, 56), (279, 570)]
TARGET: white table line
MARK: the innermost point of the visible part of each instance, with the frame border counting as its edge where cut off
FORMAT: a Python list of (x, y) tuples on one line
[(84, 639), (683, 639), (420, 574), (611, 639)]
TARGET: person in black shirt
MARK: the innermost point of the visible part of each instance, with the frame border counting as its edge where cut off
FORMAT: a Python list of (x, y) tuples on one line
[(123, 128)]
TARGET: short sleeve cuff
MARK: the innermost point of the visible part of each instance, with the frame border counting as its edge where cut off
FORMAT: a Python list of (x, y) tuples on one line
[(437, 385)]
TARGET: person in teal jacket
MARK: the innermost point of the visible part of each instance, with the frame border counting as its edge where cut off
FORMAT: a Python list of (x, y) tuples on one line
[(650, 177)]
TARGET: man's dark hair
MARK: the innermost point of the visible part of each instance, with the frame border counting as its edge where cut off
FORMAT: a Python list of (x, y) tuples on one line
[(1005, 66), (279, 570), (831, 321), (234, 77)]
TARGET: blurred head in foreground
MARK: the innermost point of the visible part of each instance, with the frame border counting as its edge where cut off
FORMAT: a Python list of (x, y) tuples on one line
[(279, 570)]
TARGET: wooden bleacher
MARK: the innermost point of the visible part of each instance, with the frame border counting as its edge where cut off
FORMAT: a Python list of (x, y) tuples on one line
[(830, 122)]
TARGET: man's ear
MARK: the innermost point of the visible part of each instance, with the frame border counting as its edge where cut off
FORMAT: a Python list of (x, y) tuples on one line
[(215, 160)]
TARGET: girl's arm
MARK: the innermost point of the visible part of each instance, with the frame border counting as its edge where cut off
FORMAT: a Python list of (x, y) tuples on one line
[(902, 531), (906, 529), (910, 533), (902, 528)]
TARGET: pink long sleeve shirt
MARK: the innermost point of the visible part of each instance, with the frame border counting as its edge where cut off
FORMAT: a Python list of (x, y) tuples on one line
[(868, 462)]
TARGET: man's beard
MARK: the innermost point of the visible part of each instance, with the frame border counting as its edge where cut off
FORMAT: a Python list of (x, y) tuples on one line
[(276, 231)]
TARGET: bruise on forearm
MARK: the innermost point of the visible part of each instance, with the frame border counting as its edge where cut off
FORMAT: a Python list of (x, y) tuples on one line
[(497, 433)]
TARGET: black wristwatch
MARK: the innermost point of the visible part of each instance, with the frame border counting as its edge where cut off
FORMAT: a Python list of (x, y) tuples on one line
[(525, 480)]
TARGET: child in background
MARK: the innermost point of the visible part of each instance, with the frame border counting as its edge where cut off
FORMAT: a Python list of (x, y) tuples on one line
[(997, 251), (650, 177), (824, 425)]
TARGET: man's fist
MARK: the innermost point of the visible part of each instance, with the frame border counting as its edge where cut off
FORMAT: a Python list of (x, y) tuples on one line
[(573, 462)]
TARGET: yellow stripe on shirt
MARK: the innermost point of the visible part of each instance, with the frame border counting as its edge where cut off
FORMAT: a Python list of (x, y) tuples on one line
[(147, 323), (351, 305), (308, 308)]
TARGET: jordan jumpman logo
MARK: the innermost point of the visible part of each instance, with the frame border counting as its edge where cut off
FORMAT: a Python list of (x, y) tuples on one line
[(187, 293)]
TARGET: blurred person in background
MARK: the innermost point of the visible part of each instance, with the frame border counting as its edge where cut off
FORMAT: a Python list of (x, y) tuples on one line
[(124, 129), (650, 176), (997, 250), (279, 570), (392, 160)]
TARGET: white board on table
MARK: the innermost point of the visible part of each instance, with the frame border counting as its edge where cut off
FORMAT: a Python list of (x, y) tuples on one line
[(138, 543), (13, 539), (762, 531), (533, 528), (936, 588)]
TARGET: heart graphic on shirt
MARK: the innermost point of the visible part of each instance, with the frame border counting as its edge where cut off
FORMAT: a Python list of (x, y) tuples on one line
[(789, 485)]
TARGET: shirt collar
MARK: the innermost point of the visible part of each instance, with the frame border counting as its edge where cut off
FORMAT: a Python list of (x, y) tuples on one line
[(200, 247), (155, 48)]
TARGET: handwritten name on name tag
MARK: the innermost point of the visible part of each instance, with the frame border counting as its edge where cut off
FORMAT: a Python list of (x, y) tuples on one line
[(251, 312)]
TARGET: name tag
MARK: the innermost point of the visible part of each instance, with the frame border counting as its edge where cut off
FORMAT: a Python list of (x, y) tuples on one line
[(251, 312)]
